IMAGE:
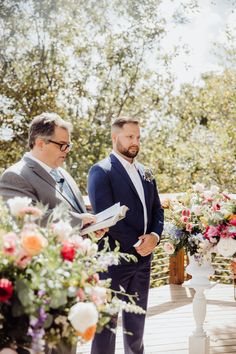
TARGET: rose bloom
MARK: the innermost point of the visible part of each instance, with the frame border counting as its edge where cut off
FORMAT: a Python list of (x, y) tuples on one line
[(81, 295), (82, 316), (9, 243), (216, 207), (6, 289), (186, 212), (68, 251), (169, 248), (17, 204), (62, 229), (23, 259), (36, 212), (189, 227), (99, 295), (232, 220), (196, 209), (211, 231), (184, 219), (7, 351), (33, 243)]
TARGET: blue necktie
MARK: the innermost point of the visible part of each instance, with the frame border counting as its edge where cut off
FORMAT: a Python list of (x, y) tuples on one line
[(65, 188)]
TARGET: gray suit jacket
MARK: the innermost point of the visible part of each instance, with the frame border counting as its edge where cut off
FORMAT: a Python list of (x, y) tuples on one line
[(28, 179)]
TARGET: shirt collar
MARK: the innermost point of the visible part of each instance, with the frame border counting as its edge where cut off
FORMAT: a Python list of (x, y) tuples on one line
[(41, 163), (126, 164)]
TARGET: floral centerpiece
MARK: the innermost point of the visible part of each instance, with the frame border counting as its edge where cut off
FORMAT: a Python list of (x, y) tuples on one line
[(202, 221), (50, 291)]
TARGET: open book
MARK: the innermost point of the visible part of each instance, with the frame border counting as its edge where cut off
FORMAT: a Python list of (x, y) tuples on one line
[(106, 218)]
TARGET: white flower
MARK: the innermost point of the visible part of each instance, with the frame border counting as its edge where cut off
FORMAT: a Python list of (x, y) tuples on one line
[(199, 187), (16, 204), (169, 248), (196, 209), (99, 295), (226, 246), (83, 315), (62, 229), (214, 189)]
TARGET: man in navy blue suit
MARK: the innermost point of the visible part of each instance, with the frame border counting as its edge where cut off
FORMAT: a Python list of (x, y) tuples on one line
[(119, 178)]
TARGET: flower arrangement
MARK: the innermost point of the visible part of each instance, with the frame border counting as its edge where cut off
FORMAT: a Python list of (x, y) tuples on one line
[(148, 174), (50, 291), (202, 221)]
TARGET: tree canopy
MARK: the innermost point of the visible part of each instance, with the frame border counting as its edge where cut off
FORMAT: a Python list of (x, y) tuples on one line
[(89, 61)]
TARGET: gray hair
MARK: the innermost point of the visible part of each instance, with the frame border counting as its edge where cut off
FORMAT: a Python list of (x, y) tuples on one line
[(43, 126)]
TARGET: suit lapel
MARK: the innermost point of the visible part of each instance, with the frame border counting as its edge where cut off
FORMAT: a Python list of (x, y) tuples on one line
[(145, 187), (77, 194), (42, 173), (121, 170)]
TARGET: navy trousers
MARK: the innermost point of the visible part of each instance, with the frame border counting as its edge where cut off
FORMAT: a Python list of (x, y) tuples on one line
[(135, 279)]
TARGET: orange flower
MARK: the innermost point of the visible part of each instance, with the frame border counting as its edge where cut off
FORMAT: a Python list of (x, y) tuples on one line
[(88, 334), (232, 217), (165, 203), (33, 243)]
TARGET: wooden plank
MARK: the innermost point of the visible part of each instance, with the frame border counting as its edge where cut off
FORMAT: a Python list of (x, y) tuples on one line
[(170, 321)]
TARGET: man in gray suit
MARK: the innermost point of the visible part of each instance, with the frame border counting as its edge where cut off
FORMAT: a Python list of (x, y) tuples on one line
[(39, 175)]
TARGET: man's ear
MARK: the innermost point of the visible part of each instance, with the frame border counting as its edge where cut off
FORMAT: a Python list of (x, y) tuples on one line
[(39, 143), (113, 137)]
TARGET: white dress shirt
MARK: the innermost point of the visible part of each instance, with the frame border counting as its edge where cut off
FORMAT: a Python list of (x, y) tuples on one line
[(41, 163), (132, 171), (135, 178)]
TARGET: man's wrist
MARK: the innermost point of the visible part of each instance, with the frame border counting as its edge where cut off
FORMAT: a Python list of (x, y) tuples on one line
[(157, 236)]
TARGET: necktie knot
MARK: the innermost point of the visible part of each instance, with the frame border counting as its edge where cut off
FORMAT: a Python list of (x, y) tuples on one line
[(56, 175)]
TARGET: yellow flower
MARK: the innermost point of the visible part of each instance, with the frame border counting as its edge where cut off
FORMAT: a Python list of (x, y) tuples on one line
[(204, 221)]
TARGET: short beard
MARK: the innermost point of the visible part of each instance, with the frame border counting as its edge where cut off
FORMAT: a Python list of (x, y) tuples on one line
[(126, 152)]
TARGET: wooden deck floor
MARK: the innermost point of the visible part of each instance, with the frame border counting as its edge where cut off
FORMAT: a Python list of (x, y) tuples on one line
[(170, 321)]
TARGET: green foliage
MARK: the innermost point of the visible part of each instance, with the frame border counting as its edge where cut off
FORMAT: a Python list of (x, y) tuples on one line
[(85, 60), (196, 142)]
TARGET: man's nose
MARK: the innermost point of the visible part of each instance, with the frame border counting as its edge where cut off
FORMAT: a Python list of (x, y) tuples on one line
[(136, 141)]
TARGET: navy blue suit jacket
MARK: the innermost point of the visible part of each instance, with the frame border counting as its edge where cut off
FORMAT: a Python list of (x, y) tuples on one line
[(109, 183)]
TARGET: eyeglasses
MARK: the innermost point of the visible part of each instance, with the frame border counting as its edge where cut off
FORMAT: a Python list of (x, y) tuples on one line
[(63, 147)]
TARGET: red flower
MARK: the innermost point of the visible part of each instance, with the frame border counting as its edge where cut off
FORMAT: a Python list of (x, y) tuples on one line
[(232, 222), (68, 251), (186, 212), (6, 289)]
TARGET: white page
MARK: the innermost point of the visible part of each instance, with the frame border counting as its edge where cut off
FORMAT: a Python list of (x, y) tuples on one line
[(107, 213)]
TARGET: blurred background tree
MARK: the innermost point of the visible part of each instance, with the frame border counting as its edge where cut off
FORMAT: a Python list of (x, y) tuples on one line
[(92, 60)]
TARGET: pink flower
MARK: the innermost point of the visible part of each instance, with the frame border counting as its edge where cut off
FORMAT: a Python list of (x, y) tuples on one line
[(225, 232), (81, 295), (23, 259), (216, 207), (232, 222), (211, 231), (196, 209), (98, 295), (186, 212), (169, 248), (189, 227), (9, 243), (30, 210), (184, 219)]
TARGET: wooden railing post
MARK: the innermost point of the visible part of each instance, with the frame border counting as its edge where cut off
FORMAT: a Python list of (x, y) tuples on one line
[(176, 266)]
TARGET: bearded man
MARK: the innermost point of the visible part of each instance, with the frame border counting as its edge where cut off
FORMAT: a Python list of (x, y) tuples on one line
[(119, 178)]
